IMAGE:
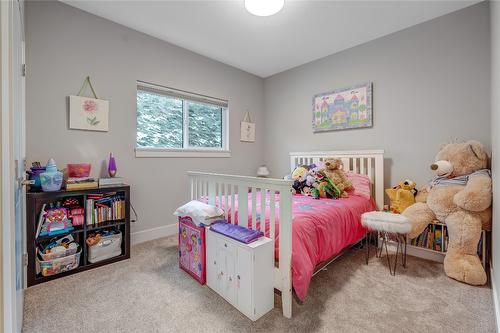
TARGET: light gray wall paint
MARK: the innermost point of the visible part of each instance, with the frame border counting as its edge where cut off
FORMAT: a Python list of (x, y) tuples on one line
[(430, 86), (65, 44), (495, 148)]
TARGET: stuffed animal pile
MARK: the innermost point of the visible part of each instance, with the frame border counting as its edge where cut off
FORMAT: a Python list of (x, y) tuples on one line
[(460, 196), (329, 181)]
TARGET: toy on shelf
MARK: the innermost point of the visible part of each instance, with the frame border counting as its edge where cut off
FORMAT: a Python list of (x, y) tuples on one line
[(112, 165), (79, 177), (51, 180), (34, 175), (55, 222), (79, 170), (76, 211), (402, 196)]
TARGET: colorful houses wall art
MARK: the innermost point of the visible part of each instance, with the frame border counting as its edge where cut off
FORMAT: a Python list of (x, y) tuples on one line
[(343, 109)]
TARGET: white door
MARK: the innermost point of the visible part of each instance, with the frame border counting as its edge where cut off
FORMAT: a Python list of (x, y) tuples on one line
[(13, 150), (18, 105)]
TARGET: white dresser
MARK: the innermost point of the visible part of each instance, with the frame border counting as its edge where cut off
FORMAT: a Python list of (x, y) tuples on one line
[(242, 273)]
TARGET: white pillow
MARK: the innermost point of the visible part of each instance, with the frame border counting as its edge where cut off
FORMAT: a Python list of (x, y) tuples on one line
[(199, 212)]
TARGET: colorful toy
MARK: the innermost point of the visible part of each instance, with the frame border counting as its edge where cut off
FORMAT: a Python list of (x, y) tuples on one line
[(56, 222), (34, 174), (323, 187), (51, 180), (79, 170), (334, 171), (402, 196), (192, 249)]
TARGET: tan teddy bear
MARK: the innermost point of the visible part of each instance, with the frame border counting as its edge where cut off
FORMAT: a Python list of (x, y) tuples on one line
[(334, 171), (459, 196)]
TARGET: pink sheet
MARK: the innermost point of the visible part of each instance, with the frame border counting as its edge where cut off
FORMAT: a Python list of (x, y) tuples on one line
[(320, 229)]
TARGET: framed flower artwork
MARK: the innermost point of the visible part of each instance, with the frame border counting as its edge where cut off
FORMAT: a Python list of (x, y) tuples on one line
[(88, 113)]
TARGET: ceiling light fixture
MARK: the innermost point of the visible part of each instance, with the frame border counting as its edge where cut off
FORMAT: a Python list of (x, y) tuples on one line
[(264, 7)]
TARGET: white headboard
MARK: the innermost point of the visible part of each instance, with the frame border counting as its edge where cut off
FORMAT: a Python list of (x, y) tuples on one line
[(366, 162)]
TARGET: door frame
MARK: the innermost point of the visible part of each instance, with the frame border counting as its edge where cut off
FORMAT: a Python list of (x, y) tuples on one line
[(8, 42)]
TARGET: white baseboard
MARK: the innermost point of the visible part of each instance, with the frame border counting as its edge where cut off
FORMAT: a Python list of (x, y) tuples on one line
[(154, 233), (495, 298), (419, 252)]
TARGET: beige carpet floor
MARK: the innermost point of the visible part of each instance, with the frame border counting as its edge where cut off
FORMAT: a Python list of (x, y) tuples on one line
[(149, 293)]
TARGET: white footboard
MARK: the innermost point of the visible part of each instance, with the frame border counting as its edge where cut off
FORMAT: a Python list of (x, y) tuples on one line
[(224, 190)]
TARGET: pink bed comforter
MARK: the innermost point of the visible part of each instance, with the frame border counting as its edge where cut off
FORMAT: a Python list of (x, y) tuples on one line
[(320, 229)]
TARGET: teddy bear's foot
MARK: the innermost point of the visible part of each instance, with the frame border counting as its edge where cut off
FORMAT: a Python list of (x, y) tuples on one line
[(465, 268)]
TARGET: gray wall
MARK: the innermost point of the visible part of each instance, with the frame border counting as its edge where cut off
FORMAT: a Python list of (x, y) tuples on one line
[(65, 44), (430, 86), (426, 92), (495, 148)]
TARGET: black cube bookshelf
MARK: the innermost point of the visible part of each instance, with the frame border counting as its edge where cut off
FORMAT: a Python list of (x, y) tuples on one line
[(34, 204)]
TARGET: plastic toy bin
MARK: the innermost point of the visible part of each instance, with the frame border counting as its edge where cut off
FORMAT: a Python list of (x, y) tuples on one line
[(192, 249), (58, 265)]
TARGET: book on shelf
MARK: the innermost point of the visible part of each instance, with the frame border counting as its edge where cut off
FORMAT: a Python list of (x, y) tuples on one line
[(105, 208), (434, 237), (110, 181), (81, 183)]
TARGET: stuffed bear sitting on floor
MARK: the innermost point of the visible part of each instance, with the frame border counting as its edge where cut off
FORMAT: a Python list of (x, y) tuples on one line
[(459, 196)]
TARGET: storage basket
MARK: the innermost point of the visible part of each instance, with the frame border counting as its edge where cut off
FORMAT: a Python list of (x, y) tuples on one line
[(56, 255), (108, 247), (58, 265)]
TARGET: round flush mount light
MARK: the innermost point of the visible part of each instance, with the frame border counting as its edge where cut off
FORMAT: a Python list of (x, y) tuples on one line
[(264, 7)]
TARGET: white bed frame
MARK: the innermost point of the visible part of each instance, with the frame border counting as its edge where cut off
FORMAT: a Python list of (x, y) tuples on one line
[(217, 188)]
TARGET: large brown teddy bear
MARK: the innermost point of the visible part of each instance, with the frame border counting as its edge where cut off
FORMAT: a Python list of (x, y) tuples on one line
[(334, 170), (459, 196)]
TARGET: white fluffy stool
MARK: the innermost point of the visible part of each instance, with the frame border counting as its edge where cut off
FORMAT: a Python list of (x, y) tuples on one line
[(386, 224)]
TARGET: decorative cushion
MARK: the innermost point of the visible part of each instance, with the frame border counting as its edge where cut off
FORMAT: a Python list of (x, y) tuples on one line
[(383, 221), (360, 183)]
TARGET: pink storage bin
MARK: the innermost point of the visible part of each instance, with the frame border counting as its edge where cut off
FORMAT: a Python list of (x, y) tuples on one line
[(192, 249)]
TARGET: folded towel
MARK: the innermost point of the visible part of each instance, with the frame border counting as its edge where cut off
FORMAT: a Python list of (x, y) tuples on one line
[(236, 232)]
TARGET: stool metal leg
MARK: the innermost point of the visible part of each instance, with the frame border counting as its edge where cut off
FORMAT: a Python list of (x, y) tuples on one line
[(368, 239), (379, 251), (404, 256)]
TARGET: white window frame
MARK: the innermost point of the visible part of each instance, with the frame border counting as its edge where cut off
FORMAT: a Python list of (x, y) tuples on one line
[(187, 151)]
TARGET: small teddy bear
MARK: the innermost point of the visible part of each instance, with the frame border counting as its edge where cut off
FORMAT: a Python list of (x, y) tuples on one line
[(334, 171)]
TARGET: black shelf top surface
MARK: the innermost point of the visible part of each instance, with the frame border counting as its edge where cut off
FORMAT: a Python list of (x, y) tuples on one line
[(64, 193)]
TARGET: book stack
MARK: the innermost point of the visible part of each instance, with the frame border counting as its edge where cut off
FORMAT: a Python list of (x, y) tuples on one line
[(434, 237), (104, 208), (111, 181), (81, 183)]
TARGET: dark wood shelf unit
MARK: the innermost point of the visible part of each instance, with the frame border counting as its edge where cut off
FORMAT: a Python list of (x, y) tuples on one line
[(34, 204)]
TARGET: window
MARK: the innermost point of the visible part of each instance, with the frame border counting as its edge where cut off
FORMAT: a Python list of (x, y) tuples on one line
[(174, 123)]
